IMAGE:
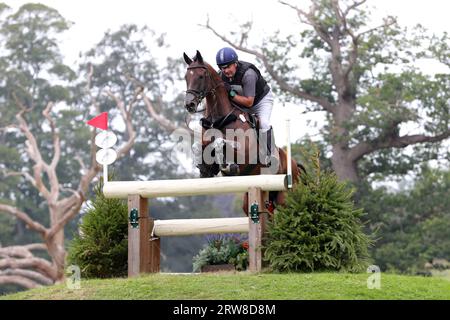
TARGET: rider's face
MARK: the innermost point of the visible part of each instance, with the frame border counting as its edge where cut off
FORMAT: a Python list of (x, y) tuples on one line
[(229, 70)]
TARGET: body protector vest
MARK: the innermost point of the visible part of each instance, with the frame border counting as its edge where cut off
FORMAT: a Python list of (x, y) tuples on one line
[(261, 85)]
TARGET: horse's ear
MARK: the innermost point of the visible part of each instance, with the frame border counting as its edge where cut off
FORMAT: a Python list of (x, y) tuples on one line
[(199, 57), (186, 58)]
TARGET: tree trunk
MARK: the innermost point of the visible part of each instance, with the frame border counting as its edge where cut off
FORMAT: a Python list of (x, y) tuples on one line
[(342, 165), (57, 252), (345, 169)]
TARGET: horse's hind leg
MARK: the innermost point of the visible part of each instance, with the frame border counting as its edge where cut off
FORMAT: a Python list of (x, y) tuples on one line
[(245, 204), (280, 198)]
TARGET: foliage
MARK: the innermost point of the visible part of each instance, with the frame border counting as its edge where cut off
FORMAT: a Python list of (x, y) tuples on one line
[(101, 248), (33, 75), (364, 74), (319, 228), (412, 225), (304, 149), (223, 250)]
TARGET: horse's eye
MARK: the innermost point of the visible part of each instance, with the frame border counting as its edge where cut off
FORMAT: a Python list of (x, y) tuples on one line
[(201, 77)]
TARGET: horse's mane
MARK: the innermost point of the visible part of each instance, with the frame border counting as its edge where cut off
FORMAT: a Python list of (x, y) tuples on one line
[(213, 72), (223, 98)]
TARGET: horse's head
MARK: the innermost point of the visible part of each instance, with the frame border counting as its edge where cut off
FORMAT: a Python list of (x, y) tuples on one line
[(198, 82)]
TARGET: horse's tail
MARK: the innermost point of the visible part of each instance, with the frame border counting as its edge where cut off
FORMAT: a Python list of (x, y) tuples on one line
[(301, 168)]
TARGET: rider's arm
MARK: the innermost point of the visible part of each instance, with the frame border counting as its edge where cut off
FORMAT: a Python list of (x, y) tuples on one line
[(249, 87), (244, 101)]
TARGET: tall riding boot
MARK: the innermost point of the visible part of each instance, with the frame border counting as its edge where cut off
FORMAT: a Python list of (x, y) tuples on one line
[(272, 153)]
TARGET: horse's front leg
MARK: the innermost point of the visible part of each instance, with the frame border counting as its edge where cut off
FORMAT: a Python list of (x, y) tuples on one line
[(245, 204), (206, 170), (224, 155)]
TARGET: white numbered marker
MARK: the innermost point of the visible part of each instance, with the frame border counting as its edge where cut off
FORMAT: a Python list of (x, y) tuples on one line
[(106, 156), (105, 139)]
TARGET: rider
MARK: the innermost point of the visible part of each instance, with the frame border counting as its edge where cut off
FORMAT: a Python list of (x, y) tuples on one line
[(247, 88)]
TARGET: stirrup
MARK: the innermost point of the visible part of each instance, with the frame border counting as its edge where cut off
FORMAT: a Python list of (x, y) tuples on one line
[(271, 157)]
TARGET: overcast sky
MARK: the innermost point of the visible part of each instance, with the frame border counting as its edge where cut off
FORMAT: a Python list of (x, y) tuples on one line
[(181, 19)]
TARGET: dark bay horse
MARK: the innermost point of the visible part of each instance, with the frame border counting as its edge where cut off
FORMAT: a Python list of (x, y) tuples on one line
[(229, 136)]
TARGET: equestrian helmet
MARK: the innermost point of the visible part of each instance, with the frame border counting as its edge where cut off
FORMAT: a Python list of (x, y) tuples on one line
[(226, 56)]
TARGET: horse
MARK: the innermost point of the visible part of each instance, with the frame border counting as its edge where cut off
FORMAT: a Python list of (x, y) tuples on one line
[(222, 117)]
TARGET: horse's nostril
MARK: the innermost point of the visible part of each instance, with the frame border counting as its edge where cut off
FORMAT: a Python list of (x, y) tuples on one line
[(190, 106)]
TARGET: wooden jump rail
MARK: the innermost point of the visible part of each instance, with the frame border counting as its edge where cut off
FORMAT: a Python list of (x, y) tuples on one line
[(188, 227), (193, 187), (144, 232)]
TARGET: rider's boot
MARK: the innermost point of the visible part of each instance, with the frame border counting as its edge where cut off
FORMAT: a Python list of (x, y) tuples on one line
[(271, 157)]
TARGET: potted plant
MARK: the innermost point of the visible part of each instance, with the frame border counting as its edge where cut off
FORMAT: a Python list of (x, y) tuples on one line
[(222, 253)]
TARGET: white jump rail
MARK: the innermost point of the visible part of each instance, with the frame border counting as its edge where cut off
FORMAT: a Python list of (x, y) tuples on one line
[(193, 187), (187, 227)]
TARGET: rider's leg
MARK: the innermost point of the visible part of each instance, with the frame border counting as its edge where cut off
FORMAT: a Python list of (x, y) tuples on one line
[(268, 151)]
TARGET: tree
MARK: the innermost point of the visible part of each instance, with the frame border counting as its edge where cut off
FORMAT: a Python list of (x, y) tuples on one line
[(122, 70), (411, 225), (47, 166), (365, 79), (34, 105)]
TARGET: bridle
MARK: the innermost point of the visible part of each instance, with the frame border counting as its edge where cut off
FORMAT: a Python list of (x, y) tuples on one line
[(200, 95)]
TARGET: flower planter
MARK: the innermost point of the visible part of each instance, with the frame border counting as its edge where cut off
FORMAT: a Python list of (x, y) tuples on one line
[(218, 268)]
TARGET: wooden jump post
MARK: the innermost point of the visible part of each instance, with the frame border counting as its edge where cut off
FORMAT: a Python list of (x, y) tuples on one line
[(144, 232)]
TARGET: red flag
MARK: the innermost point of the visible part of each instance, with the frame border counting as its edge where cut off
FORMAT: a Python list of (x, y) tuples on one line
[(100, 121)]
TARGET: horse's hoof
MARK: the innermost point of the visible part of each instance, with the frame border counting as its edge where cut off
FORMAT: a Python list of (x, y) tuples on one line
[(230, 169)]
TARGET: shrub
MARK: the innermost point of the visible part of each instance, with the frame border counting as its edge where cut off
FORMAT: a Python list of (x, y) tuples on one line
[(318, 228), (223, 250), (100, 250)]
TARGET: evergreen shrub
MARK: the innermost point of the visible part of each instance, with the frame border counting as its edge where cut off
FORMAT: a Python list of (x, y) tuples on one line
[(319, 227), (101, 247)]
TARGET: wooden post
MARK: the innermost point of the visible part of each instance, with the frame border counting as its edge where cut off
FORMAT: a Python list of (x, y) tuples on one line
[(257, 230), (143, 255)]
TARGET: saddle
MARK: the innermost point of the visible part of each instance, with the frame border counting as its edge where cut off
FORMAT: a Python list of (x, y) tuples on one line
[(252, 119)]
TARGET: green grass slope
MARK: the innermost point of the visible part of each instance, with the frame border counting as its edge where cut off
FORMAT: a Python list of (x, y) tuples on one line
[(244, 286)]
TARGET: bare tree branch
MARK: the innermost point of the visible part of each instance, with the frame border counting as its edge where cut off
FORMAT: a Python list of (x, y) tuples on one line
[(33, 152), (35, 246), (81, 162), (388, 22), (32, 275), (300, 13), (24, 217), (365, 148), (55, 135), (163, 121), (353, 6), (19, 280), (42, 265), (127, 118), (26, 175), (68, 215)]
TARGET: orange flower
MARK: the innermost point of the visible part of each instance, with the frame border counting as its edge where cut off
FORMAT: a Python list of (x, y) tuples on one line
[(245, 245)]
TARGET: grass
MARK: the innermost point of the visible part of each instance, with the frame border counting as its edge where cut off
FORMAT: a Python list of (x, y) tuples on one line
[(244, 286)]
